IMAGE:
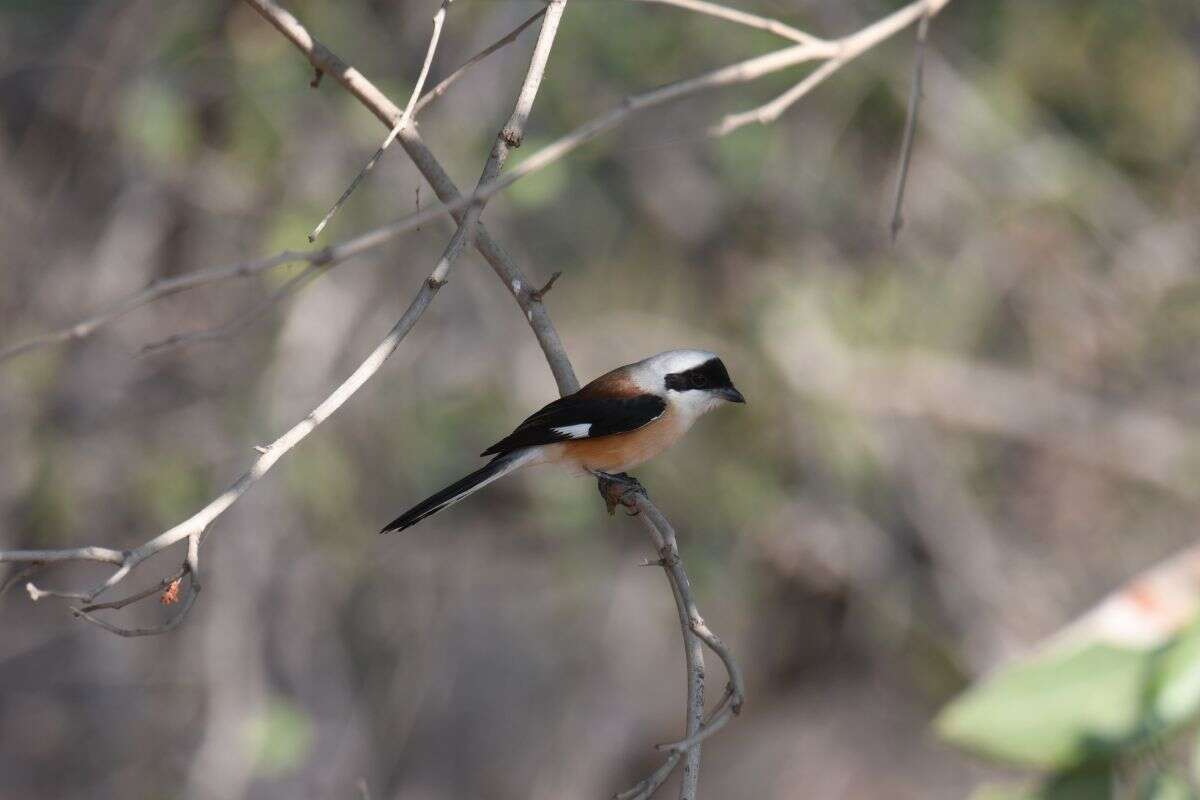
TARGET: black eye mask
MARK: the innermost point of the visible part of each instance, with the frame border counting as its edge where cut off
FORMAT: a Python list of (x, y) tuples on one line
[(709, 375)]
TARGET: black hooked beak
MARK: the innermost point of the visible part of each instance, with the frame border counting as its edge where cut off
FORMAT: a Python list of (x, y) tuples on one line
[(731, 394)]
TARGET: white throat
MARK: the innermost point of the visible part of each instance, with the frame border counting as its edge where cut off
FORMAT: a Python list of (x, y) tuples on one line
[(690, 406)]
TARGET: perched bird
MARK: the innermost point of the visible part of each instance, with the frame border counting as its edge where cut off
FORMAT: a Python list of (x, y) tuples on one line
[(619, 420)]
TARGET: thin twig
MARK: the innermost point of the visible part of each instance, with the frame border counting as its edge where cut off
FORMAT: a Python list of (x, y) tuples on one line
[(454, 203), (133, 598), (104, 555), (540, 294), (741, 18), (769, 112), (564, 374), (198, 524), (227, 329), (438, 19), (168, 286), (910, 125), (448, 81), (354, 82), (156, 630)]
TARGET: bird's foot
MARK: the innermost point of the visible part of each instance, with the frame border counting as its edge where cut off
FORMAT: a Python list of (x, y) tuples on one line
[(620, 489)]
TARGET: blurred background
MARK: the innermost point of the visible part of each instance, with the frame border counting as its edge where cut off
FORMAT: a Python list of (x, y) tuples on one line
[(954, 445)]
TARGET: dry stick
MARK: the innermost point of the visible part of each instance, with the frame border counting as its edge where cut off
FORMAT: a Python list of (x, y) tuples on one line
[(513, 131), (452, 202), (543, 328), (769, 112), (142, 595), (155, 630), (195, 526), (741, 18), (734, 74), (223, 331), (693, 656), (226, 329), (324, 59), (162, 287), (438, 19), (849, 48), (440, 89), (910, 125), (663, 537)]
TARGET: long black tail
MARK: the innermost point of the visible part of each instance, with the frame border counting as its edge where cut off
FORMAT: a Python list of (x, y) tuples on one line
[(497, 468)]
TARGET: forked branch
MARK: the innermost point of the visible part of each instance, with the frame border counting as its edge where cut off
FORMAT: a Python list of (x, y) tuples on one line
[(834, 52)]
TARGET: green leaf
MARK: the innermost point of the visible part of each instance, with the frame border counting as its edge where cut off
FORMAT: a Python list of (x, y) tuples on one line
[(1066, 707)]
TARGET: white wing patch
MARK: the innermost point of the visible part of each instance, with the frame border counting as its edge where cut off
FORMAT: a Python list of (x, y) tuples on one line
[(579, 431)]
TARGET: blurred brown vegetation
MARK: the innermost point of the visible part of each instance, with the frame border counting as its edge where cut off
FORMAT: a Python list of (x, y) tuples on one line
[(870, 534)]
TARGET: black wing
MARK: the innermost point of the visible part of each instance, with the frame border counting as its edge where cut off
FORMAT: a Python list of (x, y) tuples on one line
[(576, 417)]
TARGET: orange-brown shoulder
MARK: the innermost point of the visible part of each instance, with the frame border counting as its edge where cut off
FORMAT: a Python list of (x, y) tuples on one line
[(618, 383)]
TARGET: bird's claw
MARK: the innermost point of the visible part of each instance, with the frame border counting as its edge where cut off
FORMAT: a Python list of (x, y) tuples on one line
[(620, 489)]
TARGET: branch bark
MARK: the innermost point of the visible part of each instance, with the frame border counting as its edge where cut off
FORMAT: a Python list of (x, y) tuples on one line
[(835, 52), (196, 526), (438, 20)]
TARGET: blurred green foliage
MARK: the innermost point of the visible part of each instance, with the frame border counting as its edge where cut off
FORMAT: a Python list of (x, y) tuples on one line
[(1080, 709)]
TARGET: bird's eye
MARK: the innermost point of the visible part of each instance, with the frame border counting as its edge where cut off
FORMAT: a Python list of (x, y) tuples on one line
[(699, 380)]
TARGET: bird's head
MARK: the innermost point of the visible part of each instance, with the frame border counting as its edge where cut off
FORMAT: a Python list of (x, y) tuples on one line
[(694, 381)]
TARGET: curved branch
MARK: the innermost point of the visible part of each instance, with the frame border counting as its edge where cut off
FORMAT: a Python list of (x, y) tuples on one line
[(448, 81), (741, 18), (196, 526), (438, 20), (324, 60)]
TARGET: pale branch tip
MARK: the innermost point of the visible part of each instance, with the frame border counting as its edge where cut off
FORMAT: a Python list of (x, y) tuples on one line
[(448, 81), (438, 20)]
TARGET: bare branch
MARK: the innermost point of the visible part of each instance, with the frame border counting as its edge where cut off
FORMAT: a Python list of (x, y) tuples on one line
[(769, 112), (847, 50), (453, 203), (540, 293), (198, 524), (195, 526), (321, 57), (133, 598), (440, 89), (162, 288), (695, 632), (910, 126), (104, 555), (238, 323), (741, 18), (169, 625), (438, 19)]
